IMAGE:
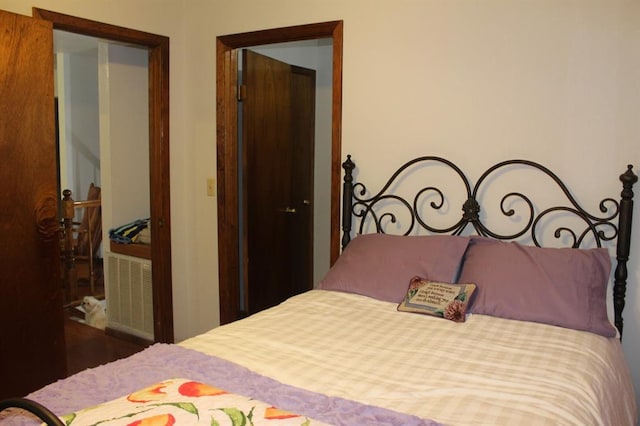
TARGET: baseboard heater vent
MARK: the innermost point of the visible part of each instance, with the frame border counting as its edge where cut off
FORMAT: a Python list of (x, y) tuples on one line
[(129, 295)]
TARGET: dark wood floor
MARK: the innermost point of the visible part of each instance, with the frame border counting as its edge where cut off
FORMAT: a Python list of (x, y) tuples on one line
[(89, 347)]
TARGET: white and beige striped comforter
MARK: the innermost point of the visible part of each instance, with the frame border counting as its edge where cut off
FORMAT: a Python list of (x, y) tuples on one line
[(486, 371)]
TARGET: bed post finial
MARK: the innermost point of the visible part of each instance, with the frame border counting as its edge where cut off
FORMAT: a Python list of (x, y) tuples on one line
[(625, 216), (347, 200)]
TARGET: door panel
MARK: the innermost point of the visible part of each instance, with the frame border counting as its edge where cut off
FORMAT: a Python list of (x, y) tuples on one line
[(300, 253), (278, 175), (32, 331)]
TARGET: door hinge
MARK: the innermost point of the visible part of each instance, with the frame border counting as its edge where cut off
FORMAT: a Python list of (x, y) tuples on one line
[(242, 92)]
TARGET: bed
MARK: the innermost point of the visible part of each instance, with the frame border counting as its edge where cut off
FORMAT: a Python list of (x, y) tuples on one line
[(428, 317)]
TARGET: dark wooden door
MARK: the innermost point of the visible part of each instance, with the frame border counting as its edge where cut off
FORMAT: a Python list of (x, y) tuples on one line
[(32, 343), (300, 250), (278, 125)]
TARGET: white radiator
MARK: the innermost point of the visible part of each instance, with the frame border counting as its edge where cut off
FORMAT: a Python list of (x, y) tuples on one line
[(129, 295)]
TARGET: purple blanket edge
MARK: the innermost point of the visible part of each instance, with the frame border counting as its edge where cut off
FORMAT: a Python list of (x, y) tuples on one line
[(163, 361)]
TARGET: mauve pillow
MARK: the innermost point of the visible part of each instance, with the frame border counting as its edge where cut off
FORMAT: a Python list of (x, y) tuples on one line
[(558, 286), (381, 265)]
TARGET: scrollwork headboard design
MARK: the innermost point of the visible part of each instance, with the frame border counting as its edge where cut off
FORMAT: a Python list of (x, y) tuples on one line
[(613, 222)]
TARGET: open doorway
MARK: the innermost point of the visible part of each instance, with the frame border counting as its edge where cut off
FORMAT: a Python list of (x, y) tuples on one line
[(229, 154), (156, 53), (103, 128)]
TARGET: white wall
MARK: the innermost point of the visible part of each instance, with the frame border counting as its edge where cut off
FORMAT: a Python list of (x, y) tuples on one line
[(553, 81), (124, 127), (77, 89)]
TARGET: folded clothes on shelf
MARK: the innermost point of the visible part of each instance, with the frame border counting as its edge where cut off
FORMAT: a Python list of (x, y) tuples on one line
[(128, 233)]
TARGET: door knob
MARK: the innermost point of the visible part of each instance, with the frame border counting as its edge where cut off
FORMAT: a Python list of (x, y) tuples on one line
[(288, 210)]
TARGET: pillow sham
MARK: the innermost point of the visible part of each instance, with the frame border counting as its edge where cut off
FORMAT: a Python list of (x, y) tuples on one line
[(380, 265), (442, 300), (558, 286)]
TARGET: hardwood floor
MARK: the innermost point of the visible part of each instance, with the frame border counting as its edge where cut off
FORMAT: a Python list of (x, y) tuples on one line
[(89, 347)]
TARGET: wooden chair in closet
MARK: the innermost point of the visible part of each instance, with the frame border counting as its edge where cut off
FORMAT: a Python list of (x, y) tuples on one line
[(80, 242)]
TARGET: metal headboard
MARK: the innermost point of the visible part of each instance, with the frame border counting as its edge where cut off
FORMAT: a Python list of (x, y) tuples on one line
[(613, 222)]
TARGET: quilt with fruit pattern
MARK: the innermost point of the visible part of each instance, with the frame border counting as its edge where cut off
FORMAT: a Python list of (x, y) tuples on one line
[(184, 401)]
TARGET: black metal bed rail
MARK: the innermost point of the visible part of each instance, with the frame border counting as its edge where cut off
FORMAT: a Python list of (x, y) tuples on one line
[(39, 410)]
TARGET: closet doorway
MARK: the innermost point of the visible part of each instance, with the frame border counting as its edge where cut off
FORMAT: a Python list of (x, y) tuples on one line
[(230, 158), (152, 51)]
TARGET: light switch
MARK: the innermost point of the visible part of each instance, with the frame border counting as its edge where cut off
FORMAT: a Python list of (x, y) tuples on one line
[(211, 187)]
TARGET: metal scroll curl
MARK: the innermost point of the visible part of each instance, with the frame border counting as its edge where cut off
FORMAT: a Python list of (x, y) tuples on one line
[(585, 225), (383, 209)]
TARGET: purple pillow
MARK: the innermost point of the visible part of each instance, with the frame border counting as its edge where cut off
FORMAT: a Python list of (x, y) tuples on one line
[(558, 286), (381, 265)]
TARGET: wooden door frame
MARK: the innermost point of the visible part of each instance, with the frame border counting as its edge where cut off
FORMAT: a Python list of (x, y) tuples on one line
[(158, 47), (227, 147)]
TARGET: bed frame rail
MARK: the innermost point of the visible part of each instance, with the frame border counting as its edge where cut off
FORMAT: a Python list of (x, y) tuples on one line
[(612, 223)]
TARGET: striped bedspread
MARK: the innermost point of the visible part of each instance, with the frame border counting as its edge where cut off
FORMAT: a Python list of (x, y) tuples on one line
[(487, 370)]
